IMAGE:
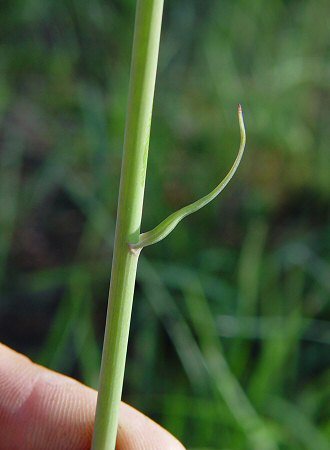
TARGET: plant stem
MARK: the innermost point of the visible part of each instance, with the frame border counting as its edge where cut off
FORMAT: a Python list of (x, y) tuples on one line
[(136, 143)]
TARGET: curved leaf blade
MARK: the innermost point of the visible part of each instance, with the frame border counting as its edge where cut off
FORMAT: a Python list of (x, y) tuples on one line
[(167, 225)]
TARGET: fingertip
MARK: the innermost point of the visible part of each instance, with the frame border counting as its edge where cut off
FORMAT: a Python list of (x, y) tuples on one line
[(137, 432), (42, 409)]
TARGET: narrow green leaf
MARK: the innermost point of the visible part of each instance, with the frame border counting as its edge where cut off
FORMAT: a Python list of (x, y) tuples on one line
[(166, 226)]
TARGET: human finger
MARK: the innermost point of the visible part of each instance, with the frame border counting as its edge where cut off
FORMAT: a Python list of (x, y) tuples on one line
[(42, 409)]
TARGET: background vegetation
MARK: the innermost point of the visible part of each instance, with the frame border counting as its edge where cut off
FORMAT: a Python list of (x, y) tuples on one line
[(239, 293)]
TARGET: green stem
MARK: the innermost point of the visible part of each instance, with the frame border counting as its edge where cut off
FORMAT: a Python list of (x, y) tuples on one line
[(142, 83)]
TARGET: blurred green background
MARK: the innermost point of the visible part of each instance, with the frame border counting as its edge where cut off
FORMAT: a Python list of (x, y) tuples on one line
[(229, 344)]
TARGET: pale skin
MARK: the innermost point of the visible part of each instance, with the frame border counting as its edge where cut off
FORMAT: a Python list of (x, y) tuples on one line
[(42, 409)]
